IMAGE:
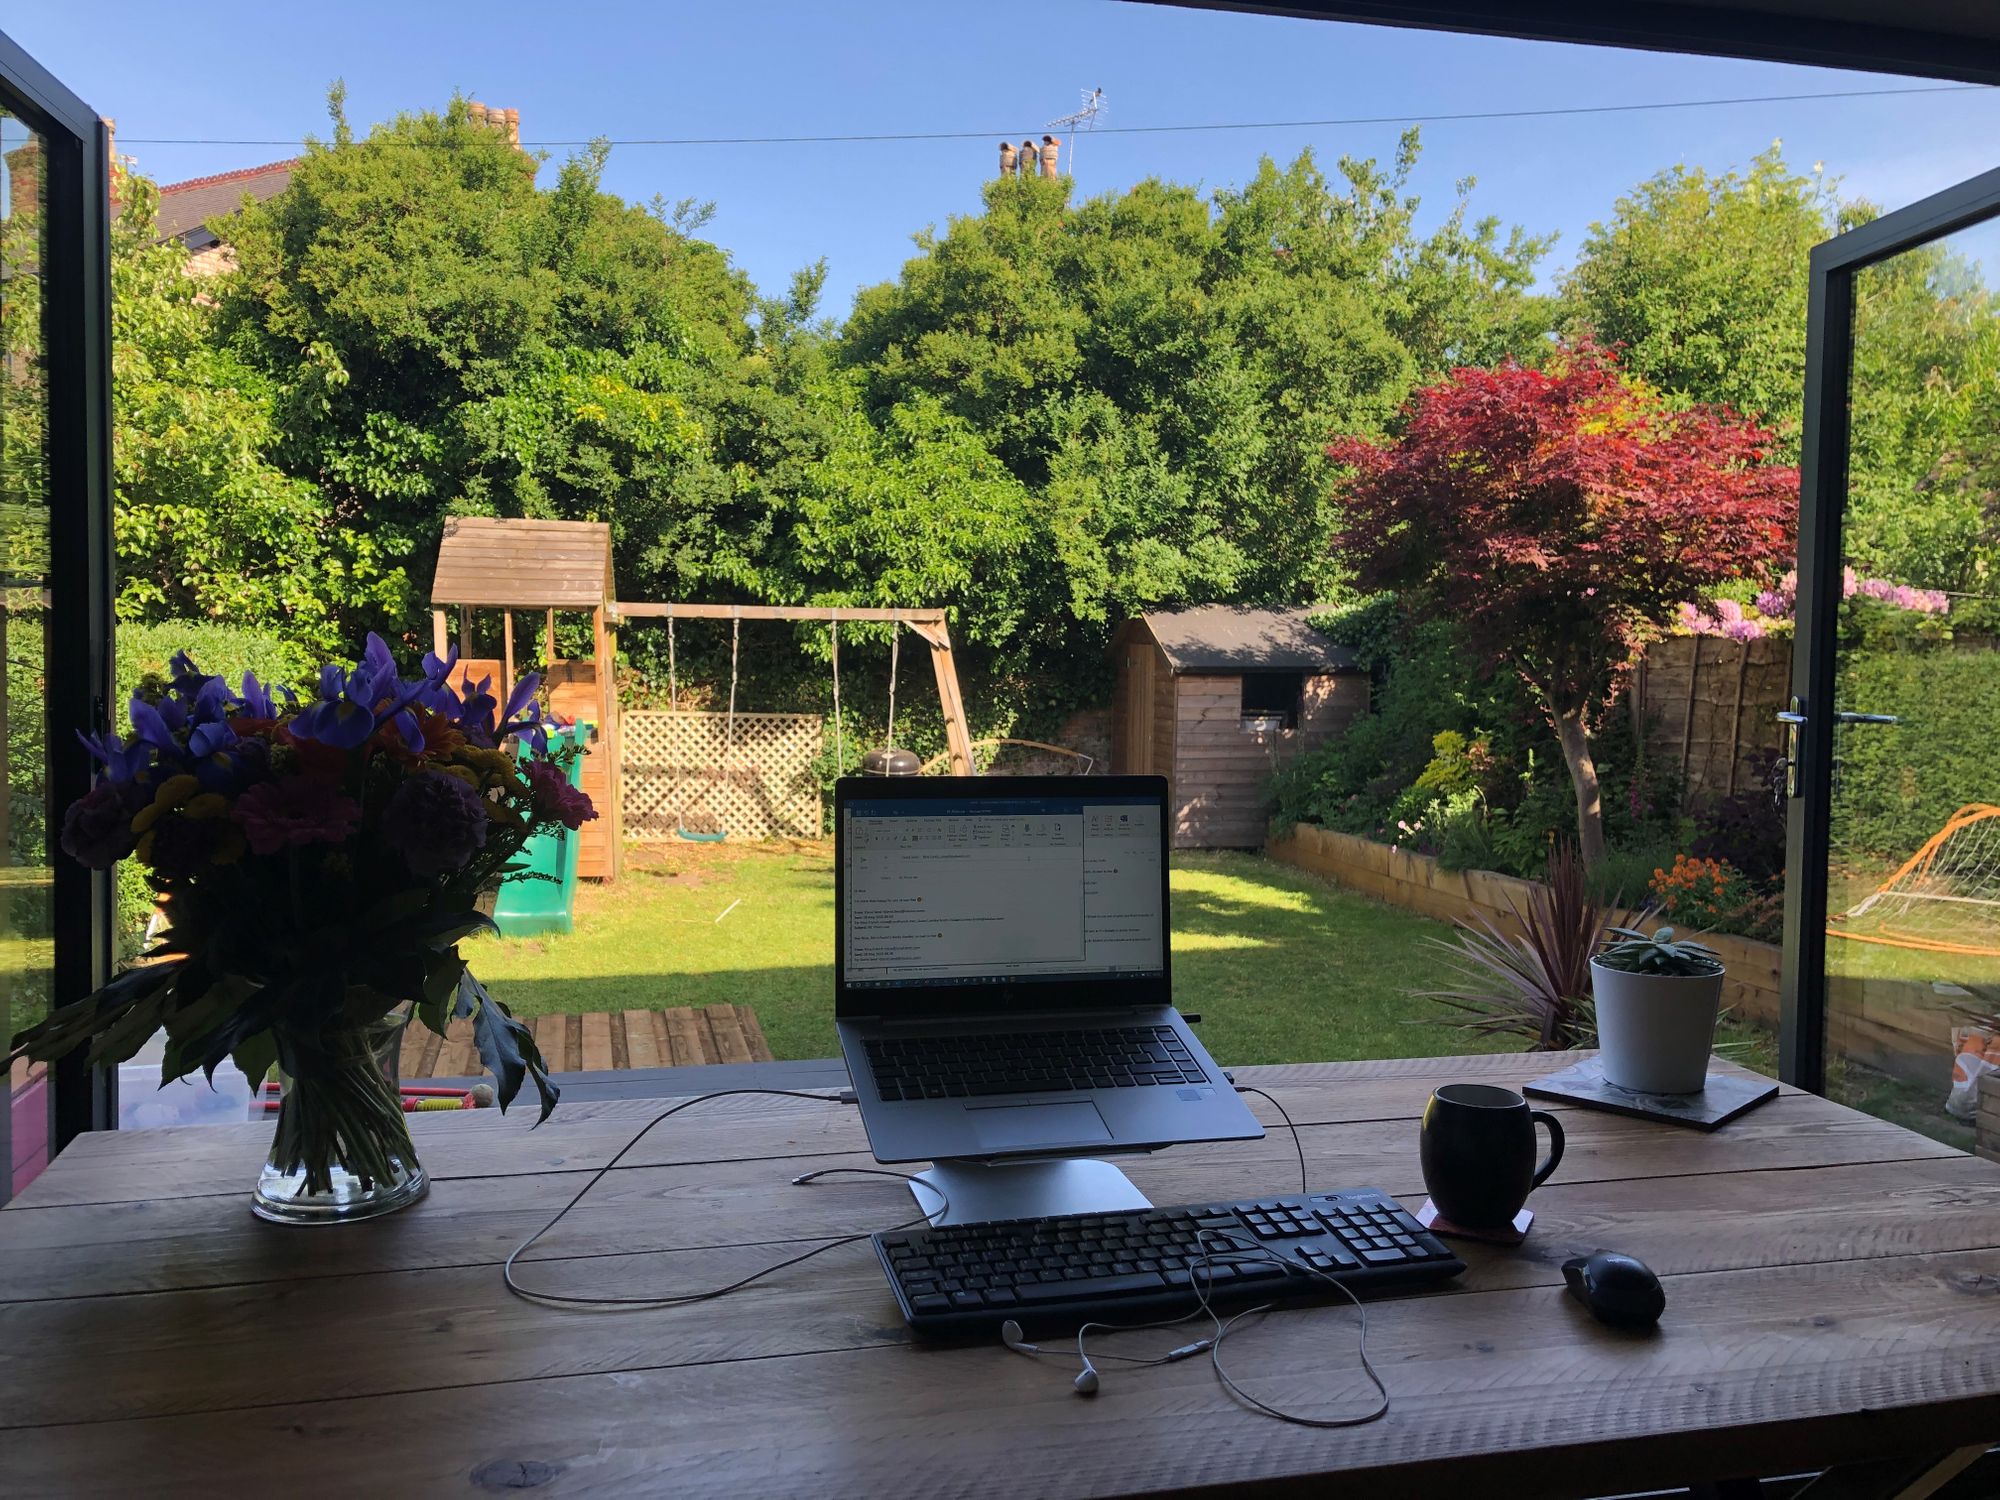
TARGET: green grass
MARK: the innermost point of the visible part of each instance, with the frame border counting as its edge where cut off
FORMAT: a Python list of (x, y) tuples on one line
[(1282, 966)]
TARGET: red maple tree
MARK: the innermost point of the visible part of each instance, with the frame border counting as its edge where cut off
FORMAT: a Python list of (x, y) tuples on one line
[(1561, 516)]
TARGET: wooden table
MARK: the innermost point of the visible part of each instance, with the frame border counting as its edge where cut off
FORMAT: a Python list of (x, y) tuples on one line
[(1833, 1289)]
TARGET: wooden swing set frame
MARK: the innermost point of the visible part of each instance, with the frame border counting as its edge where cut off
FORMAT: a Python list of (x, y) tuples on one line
[(927, 624)]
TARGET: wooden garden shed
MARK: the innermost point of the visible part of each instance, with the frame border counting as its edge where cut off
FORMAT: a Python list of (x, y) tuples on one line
[(1215, 698), (544, 567)]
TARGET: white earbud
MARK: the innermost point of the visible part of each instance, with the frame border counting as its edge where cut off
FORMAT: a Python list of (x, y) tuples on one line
[(1086, 1383), (1013, 1338)]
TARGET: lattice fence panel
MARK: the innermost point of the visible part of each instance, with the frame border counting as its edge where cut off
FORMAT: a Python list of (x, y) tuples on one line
[(760, 786)]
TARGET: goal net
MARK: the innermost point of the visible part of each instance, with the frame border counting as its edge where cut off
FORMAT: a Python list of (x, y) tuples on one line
[(1944, 899)]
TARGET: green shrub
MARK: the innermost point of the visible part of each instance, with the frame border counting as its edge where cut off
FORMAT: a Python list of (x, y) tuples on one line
[(1898, 785), (222, 650), (1626, 876)]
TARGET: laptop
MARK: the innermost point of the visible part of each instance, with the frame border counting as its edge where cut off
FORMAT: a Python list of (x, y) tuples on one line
[(1002, 980)]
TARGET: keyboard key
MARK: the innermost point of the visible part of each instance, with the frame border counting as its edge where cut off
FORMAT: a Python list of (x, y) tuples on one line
[(1383, 1257), (930, 1302), (967, 1299)]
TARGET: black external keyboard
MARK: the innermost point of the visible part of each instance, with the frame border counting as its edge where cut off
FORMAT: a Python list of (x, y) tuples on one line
[(965, 1280), (1027, 1062)]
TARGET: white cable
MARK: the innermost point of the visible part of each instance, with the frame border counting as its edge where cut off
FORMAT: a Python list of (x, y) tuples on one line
[(582, 1300)]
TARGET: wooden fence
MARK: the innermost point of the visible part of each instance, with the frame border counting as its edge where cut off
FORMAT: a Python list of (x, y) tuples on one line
[(682, 768), (1710, 706), (1415, 881)]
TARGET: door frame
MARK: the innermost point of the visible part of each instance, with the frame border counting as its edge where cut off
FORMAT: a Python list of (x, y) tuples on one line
[(1815, 648), (76, 340)]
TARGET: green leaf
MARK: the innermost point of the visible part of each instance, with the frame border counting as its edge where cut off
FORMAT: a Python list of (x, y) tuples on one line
[(256, 1056), (506, 1047)]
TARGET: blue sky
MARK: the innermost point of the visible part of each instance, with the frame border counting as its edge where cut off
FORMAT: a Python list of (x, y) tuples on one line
[(779, 67)]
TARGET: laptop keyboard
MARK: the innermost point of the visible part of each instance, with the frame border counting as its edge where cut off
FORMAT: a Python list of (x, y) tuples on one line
[(1030, 1062)]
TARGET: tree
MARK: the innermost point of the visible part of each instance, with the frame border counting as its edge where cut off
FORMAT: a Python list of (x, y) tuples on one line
[(1700, 280), (206, 526), (1561, 516), (1162, 371), (442, 336)]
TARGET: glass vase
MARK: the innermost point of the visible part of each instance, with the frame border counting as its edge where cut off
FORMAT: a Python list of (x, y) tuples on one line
[(342, 1150)]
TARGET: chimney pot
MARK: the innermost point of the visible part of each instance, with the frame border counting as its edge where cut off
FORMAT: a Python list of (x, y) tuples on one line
[(514, 128), (1029, 159), (1007, 158), (1051, 148)]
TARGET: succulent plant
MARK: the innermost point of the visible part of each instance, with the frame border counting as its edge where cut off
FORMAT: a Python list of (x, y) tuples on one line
[(1660, 953)]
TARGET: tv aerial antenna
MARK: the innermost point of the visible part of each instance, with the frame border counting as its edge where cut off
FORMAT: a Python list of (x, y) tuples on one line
[(1081, 120)]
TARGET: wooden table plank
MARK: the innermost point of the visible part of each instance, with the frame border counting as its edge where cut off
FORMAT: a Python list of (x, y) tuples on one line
[(117, 1166), (1793, 1131), (1518, 1392), (1678, 1225), (840, 1302)]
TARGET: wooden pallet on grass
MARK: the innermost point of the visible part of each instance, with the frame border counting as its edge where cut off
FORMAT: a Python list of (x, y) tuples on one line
[(599, 1041)]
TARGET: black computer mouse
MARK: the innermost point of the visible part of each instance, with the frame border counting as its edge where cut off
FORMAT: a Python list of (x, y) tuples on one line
[(1618, 1289)]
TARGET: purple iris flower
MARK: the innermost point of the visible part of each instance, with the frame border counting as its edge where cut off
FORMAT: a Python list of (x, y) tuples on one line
[(122, 762), (345, 716), (255, 699), (155, 726)]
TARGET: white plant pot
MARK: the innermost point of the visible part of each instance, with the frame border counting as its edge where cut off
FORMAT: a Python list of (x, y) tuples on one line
[(1655, 1031)]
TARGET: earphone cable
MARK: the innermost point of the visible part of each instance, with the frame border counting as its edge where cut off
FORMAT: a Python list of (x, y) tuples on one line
[(588, 1300)]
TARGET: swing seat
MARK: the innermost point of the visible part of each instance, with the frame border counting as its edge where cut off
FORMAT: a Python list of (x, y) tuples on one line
[(702, 838)]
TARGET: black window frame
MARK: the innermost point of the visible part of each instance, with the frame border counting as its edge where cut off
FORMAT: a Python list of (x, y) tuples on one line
[(1822, 500), (1293, 708), (76, 340)]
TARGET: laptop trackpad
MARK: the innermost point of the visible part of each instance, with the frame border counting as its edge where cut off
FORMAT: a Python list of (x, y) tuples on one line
[(1014, 1127)]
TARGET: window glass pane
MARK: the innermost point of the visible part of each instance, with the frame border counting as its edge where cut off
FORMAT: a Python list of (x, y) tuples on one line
[(26, 952), (1913, 947)]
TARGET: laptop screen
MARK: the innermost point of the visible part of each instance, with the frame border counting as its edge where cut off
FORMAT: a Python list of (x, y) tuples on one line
[(1001, 890)]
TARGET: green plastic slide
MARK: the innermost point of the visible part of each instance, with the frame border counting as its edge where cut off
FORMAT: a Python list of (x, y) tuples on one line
[(539, 899)]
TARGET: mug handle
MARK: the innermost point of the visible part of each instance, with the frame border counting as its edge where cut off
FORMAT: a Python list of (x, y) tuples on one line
[(1555, 1146)]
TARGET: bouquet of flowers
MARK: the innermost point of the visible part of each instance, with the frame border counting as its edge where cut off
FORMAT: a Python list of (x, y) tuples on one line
[(318, 861)]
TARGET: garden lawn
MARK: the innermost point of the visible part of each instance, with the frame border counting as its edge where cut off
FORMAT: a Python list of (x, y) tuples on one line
[(1281, 966)]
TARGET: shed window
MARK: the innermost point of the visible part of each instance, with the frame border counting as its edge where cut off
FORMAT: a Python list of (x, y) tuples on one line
[(1273, 695)]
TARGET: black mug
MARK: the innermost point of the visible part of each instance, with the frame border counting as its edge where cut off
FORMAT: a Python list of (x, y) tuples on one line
[(1479, 1153)]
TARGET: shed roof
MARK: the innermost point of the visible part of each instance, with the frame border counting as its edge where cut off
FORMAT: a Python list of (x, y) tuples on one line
[(524, 564), (1239, 638)]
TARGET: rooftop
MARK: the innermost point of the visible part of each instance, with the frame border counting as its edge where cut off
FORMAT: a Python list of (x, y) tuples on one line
[(523, 564), (186, 207), (1240, 638)]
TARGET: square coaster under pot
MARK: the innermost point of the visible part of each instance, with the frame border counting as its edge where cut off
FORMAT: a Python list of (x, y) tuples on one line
[(1721, 1099), (1512, 1234)]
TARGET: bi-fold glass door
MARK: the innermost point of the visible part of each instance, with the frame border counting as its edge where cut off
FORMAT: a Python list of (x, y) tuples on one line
[(55, 584), (1892, 926)]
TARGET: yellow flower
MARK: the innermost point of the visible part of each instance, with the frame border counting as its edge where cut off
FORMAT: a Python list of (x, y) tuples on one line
[(174, 792)]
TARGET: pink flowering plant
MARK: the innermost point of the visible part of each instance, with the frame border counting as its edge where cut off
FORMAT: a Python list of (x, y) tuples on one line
[(1773, 610), (318, 861)]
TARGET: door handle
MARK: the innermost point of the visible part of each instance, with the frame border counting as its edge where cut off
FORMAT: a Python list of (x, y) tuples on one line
[(1793, 718)]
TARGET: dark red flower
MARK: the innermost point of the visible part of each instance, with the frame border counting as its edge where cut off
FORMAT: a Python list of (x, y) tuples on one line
[(553, 798), (294, 810)]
